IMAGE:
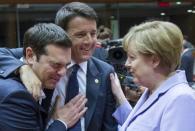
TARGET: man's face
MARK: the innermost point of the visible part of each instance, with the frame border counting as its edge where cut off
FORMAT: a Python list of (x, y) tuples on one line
[(82, 32), (51, 66)]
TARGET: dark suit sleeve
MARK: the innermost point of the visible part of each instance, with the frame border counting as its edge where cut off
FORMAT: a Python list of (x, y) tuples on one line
[(18, 112), (57, 125), (109, 123), (187, 64), (9, 60)]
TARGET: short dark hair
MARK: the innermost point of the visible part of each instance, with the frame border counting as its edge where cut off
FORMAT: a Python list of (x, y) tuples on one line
[(71, 10), (43, 34)]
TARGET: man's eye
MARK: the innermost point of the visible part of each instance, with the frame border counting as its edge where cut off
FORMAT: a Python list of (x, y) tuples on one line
[(54, 65), (93, 34), (80, 35)]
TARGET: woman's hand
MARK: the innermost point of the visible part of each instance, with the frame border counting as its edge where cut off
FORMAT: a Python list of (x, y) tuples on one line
[(116, 89)]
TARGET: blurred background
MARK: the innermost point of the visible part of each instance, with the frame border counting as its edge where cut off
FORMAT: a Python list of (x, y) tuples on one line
[(119, 15)]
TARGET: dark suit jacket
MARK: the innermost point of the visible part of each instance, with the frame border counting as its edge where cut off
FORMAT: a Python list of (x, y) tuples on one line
[(187, 63), (19, 111), (101, 53), (101, 103)]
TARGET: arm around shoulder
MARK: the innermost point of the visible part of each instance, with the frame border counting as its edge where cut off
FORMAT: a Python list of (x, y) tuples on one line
[(9, 61)]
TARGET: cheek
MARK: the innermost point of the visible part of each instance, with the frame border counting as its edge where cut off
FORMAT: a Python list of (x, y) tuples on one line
[(136, 65), (76, 48), (47, 69), (75, 44), (139, 69)]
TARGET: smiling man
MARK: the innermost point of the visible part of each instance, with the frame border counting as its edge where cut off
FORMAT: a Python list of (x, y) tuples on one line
[(79, 21)]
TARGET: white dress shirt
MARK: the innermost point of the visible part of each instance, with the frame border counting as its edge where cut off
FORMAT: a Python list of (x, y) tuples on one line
[(60, 89)]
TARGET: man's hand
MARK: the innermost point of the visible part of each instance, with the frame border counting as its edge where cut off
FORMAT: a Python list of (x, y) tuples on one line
[(71, 112), (31, 81)]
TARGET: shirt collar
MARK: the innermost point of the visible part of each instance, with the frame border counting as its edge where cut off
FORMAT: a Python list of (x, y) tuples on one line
[(82, 65), (43, 96)]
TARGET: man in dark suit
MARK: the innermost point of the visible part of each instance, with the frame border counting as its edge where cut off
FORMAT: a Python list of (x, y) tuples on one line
[(47, 50), (187, 64), (79, 20)]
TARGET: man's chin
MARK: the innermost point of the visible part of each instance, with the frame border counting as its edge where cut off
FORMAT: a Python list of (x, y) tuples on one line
[(50, 86), (86, 57)]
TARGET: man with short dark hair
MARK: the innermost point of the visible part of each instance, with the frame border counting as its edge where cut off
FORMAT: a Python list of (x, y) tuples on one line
[(79, 21), (47, 49)]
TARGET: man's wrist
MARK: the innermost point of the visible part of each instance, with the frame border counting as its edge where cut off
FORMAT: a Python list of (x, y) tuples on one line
[(63, 123)]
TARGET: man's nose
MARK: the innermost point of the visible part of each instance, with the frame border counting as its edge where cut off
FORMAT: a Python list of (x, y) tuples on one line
[(89, 38), (62, 71)]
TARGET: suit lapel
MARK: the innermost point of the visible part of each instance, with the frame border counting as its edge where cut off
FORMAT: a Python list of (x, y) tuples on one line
[(147, 104), (135, 109), (92, 90)]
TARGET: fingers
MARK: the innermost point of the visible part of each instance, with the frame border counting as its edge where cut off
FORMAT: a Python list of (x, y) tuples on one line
[(36, 87), (116, 88), (73, 110), (30, 89), (76, 98), (54, 107), (80, 104), (114, 77), (33, 85), (77, 116), (114, 81), (57, 102), (36, 91), (111, 76), (82, 112)]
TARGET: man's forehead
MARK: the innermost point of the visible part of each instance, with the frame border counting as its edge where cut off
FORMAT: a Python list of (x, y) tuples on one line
[(59, 60), (58, 53), (74, 24), (81, 29)]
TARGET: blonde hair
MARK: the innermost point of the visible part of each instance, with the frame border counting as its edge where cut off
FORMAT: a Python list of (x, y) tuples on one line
[(156, 38)]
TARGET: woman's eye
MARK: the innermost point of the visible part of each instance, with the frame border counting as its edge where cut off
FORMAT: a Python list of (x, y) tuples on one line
[(132, 57)]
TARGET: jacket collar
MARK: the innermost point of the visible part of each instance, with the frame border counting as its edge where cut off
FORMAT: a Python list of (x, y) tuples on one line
[(146, 101)]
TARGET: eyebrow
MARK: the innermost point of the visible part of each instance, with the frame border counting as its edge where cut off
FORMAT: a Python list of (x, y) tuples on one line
[(93, 31), (68, 64)]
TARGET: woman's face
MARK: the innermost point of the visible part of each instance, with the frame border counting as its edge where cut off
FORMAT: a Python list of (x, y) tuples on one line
[(141, 67)]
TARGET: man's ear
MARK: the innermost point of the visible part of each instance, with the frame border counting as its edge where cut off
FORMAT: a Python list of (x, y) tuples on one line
[(30, 56)]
